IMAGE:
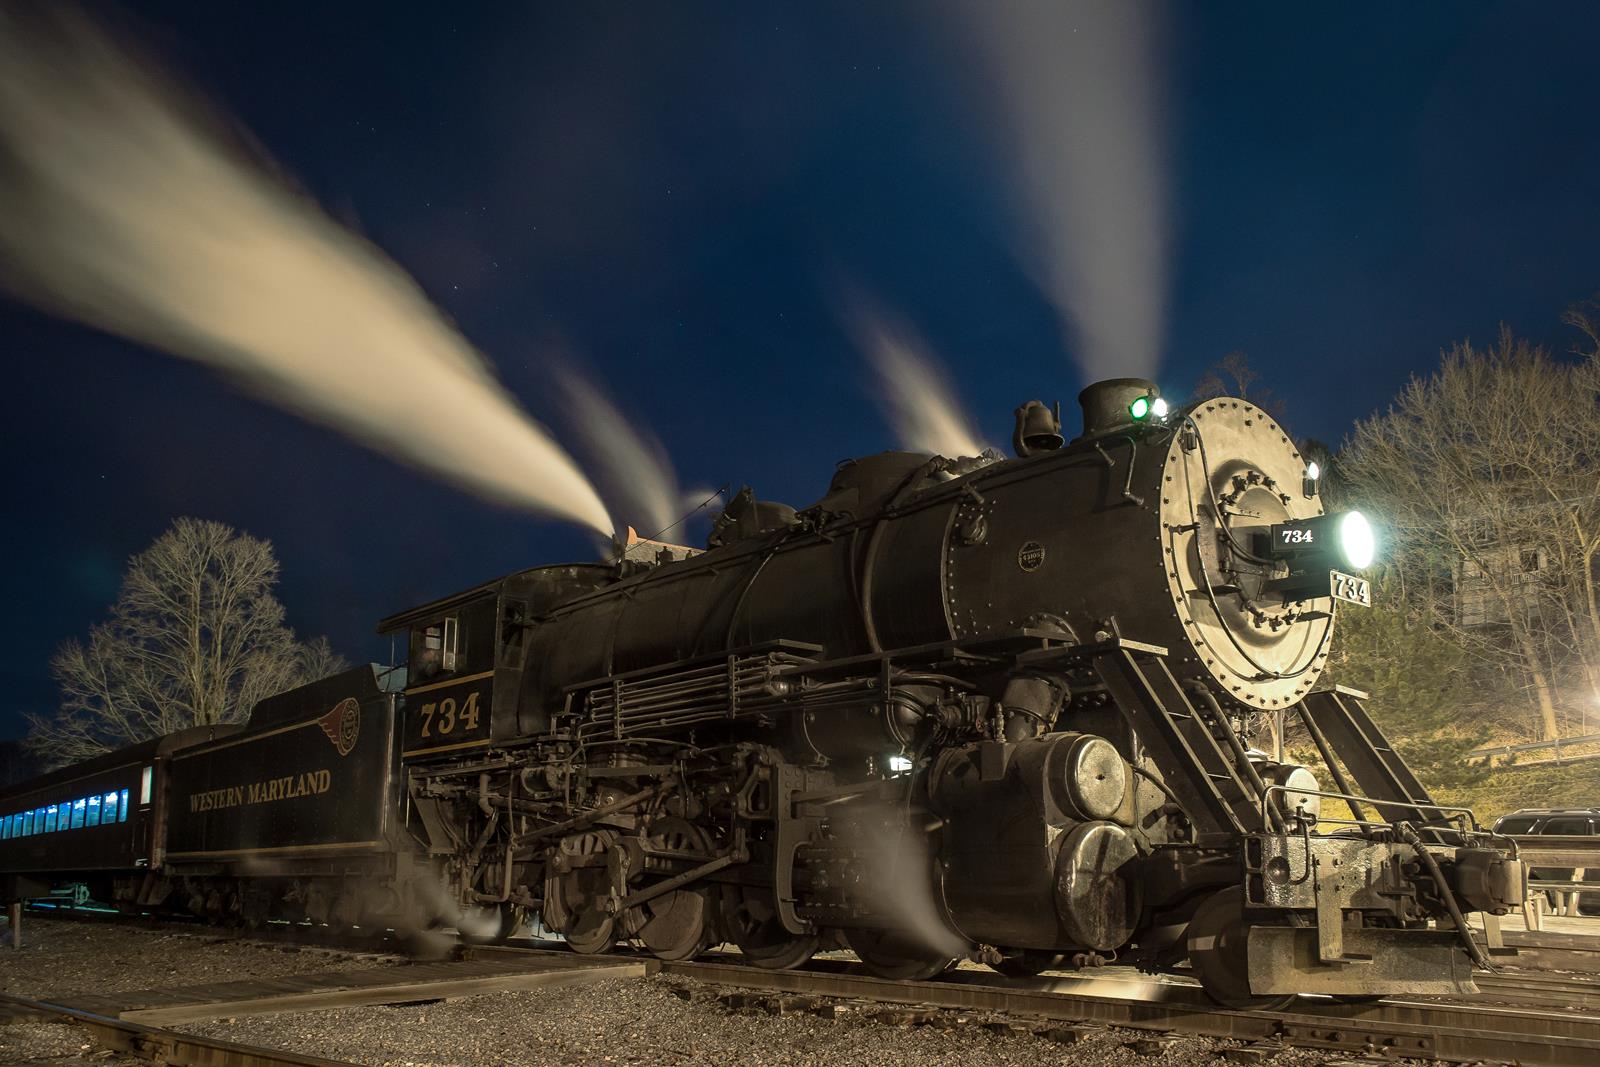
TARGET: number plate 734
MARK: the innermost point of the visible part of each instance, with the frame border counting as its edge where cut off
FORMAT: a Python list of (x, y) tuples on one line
[(1349, 588)]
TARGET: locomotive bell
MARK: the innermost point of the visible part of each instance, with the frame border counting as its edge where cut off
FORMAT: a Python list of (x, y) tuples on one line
[(1108, 405), (1038, 429)]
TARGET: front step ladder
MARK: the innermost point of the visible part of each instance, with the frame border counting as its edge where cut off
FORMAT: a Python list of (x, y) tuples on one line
[(1344, 733), (1196, 750)]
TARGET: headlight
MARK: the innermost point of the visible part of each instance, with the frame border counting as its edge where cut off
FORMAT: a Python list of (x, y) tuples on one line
[(1343, 539), (1357, 542)]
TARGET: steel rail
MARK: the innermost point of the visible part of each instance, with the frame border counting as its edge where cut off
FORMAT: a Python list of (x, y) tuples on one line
[(1424, 1030), (1450, 1030), (1441, 1030), (160, 1046)]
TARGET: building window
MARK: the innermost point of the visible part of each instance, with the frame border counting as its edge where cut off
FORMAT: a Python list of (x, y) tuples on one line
[(1532, 560)]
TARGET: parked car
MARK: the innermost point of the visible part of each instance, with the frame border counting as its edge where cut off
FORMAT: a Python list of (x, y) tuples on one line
[(1556, 822)]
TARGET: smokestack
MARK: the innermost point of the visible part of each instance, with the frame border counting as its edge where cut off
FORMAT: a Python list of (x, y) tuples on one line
[(1107, 405)]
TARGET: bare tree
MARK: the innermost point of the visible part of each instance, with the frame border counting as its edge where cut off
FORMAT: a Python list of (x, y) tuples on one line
[(1232, 375), (195, 638), (316, 659), (1487, 478)]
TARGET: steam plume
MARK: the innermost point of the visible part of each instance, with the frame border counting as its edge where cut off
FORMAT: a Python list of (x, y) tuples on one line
[(1078, 95), (912, 390), (128, 209), (897, 883), (641, 486)]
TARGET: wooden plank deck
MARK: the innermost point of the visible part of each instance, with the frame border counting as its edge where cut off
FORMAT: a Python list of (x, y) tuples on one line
[(344, 989)]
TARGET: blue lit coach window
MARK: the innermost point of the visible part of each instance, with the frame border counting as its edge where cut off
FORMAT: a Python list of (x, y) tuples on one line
[(92, 817), (50, 819), (122, 811), (80, 807), (108, 813), (5, 828)]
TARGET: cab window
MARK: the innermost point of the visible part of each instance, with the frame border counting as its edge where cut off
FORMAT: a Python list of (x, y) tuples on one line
[(438, 647)]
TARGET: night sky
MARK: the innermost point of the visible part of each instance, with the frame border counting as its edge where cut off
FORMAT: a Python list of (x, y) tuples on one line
[(678, 193)]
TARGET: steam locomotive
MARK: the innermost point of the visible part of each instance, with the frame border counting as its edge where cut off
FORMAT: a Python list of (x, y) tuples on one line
[(984, 708)]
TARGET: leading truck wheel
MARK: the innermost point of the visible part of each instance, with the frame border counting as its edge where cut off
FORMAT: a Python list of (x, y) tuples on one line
[(895, 956), (1217, 939), (751, 921)]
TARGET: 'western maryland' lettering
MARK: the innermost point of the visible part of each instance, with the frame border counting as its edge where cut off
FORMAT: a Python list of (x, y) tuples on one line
[(263, 792)]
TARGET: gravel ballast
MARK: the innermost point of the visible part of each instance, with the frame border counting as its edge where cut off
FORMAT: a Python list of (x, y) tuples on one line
[(677, 1021), (62, 957), (664, 1019)]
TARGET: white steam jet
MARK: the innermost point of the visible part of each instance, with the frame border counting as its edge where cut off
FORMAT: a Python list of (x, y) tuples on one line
[(127, 207)]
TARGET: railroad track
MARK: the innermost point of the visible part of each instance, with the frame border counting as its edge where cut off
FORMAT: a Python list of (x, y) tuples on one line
[(158, 1045), (1546, 1019), (1462, 1031)]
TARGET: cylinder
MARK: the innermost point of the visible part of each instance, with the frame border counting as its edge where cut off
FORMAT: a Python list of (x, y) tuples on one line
[(1015, 844)]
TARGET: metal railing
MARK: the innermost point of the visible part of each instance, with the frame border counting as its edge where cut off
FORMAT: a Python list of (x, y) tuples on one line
[(1488, 753)]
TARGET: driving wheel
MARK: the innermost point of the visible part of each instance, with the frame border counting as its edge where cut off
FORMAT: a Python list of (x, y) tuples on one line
[(675, 925), (490, 924), (575, 897), (750, 917)]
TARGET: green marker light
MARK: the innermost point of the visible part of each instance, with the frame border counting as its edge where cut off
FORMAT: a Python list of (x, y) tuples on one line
[(1140, 407)]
